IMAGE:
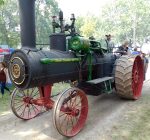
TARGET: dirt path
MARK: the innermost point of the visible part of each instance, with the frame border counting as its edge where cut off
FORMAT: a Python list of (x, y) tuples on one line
[(104, 112)]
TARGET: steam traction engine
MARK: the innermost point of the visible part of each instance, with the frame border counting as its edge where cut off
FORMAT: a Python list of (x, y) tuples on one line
[(71, 57)]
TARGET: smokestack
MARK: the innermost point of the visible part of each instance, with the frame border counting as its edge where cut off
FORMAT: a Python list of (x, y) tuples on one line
[(27, 23)]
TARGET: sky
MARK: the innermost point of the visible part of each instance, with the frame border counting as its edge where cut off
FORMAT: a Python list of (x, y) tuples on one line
[(81, 7)]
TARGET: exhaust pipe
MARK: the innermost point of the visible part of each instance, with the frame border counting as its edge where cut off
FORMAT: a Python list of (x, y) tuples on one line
[(27, 23)]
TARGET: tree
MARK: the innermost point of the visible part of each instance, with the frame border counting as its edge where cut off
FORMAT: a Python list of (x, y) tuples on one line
[(127, 19), (124, 19), (45, 9), (1, 2), (87, 25), (10, 25)]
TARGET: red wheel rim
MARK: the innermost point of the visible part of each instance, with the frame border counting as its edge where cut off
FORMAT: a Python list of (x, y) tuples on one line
[(137, 77), (21, 105), (70, 115)]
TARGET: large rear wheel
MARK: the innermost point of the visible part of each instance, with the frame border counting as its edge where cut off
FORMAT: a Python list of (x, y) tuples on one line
[(129, 76), (70, 112)]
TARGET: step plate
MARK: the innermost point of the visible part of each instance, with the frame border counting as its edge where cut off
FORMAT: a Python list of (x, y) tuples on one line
[(100, 80)]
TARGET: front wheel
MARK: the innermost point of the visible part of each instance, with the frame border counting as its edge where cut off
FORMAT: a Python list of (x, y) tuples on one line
[(21, 103), (70, 112)]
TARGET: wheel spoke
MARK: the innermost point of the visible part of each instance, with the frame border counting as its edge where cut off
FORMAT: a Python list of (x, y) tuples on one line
[(22, 114), (18, 108), (62, 114), (70, 97), (74, 103), (63, 122), (72, 122), (34, 109), (29, 113), (78, 102), (27, 92), (32, 92), (65, 113), (35, 94), (23, 92), (76, 119), (20, 95), (67, 124), (81, 107), (20, 101)]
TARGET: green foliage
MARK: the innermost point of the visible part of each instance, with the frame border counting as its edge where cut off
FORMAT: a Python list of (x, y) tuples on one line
[(5, 101), (1, 2), (87, 26), (124, 19), (127, 19), (45, 9), (9, 21)]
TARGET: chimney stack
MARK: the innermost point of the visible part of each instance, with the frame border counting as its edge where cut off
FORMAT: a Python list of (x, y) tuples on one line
[(27, 23)]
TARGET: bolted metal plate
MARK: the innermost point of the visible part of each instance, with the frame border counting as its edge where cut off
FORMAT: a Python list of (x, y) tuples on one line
[(17, 70)]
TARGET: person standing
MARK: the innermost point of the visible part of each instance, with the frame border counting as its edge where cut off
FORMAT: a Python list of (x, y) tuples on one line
[(136, 52), (146, 46), (124, 49), (145, 61), (110, 44), (3, 78)]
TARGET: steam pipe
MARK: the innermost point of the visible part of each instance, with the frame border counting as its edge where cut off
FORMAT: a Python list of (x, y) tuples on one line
[(27, 23)]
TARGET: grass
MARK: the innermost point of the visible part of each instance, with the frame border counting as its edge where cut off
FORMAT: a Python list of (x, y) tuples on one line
[(135, 124), (59, 87), (5, 101)]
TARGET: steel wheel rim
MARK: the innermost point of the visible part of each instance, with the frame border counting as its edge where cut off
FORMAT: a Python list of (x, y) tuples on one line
[(21, 106), (66, 123), (137, 77)]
